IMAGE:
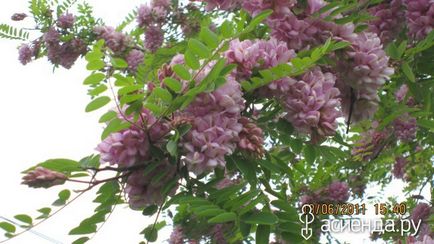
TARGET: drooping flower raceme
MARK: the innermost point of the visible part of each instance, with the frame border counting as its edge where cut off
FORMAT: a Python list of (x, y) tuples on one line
[(42, 177), (177, 236), (25, 54), (405, 128), (215, 126), (154, 38), (116, 41), (134, 59), (131, 146), (389, 20), (399, 167), (312, 103), (420, 17), (362, 75), (336, 192), (66, 21), (421, 212), (147, 188), (251, 138)]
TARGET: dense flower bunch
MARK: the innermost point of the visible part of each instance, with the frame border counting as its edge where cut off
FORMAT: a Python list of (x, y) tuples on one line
[(336, 192), (399, 167), (312, 103), (146, 188), (420, 17), (221, 114), (363, 73), (389, 19), (151, 18)]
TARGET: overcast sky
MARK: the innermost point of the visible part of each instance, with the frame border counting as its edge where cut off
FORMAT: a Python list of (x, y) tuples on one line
[(42, 117)]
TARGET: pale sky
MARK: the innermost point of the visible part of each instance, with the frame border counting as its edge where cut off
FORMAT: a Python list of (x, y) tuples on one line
[(43, 117)]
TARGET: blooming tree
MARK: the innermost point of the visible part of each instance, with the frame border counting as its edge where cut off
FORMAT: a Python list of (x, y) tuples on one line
[(229, 115)]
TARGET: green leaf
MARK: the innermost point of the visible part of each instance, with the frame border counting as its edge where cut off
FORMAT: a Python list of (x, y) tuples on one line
[(173, 84), (209, 37), (7, 227), (151, 233), (98, 90), (45, 213), (263, 234), (181, 71), (210, 212), (184, 129), (191, 60), (83, 229), (408, 72), (24, 218), (63, 197), (163, 94), (257, 20), (222, 218), (81, 240), (107, 116), (172, 148), (429, 124), (60, 165), (94, 79), (95, 65), (97, 103), (261, 218), (198, 48), (247, 168), (227, 29), (119, 63), (150, 210), (115, 125), (309, 154), (94, 55)]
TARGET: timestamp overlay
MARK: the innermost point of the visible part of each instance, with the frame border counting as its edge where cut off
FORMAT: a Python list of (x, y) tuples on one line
[(355, 218)]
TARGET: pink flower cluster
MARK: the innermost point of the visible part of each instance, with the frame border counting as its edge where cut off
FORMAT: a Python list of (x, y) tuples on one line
[(312, 103), (64, 54), (420, 17), (145, 188), (216, 129), (362, 75), (399, 167), (421, 212), (336, 192), (389, 19), (218, 234), (152, 17), (251, 138), (260, 54), (405, 128), (18, 16), (66, 21), (25, 54), (116, 41), (134, 59), (131, 146), (177, 236), (42, 177)]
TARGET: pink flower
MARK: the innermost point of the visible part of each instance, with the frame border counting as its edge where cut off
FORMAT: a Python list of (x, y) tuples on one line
[(420, 17), (251, 138), (399, 167), (146, 188), (405, 128), (389, 20), (25, 54), (18, 16), (131, 146), (177, 236), (338, 192), (42, 177), (116, 41), (312, 103), (154, 38), (420, 213), (362, 75), (401, 93), (66, 21), (254, 7), (134, 59), (218, 234)]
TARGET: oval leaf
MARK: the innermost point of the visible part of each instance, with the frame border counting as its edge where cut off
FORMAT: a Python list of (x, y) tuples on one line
[(97, 103)]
